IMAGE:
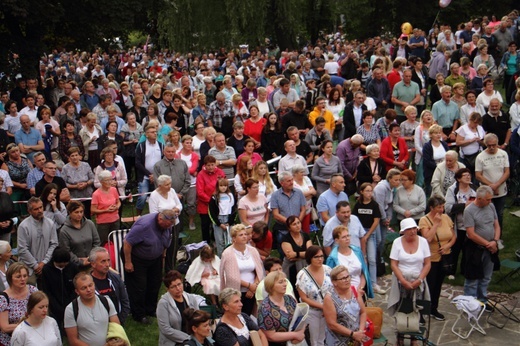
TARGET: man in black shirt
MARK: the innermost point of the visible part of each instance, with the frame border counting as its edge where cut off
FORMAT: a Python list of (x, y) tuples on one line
[(109, 283), (297, 117), (302, 147), (49, 176)]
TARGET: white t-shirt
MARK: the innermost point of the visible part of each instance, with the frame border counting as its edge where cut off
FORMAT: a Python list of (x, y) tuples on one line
[(225, 203), (410, 263), (331, 67), (354, 267), (246, 265), (492, 168), (187, 159), (439, 153), (465, 132), (196, 142), (152, 156)]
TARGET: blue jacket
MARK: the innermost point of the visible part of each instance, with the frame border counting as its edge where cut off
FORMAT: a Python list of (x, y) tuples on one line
[(332, 261), (507, 55)]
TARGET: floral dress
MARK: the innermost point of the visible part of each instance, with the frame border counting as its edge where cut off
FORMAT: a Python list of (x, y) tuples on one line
[(271, 317), (16, 311), (307, 285), (347, 311)]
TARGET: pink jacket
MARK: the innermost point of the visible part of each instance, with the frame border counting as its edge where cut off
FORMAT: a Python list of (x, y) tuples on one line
[(229, 272)]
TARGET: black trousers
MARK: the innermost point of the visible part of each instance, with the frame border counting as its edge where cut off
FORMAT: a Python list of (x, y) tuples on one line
[(435, 278), (170, 262), (205, 225), (248, 304), (143, 286)]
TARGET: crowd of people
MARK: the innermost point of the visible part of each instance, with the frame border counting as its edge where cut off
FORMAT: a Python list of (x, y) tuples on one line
[(413, 126)]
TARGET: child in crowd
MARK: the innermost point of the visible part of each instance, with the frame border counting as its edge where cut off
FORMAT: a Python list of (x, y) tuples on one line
[(367, 210), (222, 212), (204, 270)]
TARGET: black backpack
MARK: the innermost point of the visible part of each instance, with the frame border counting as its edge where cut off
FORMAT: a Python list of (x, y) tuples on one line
[(75, 306)]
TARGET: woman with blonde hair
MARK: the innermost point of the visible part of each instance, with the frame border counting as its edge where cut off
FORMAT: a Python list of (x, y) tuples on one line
[(276, 311), (89, 136), (265, 183), (422, 136), (241, 267)]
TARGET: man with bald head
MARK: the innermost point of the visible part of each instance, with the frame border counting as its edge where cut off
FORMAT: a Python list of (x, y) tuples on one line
[(292, 158), (28, 139)]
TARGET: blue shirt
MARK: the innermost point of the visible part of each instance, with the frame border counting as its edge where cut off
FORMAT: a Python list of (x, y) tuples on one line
[(28, 138), (120, 122), (445, 114), (288, 205), (91, 101), (328, 201), (355, 229)]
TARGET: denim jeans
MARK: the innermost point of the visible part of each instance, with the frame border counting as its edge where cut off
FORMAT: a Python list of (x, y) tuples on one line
[(500, 203), (220, 235), (372, 256), (143, 187), (478, 288), (383, 230)]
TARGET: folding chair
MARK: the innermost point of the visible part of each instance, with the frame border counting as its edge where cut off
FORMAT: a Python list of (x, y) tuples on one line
[(470, 309), (510, 264), (115, 244), (498, 303)]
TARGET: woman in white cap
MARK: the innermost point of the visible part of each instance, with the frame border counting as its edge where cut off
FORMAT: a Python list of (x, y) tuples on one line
[(410, 263)]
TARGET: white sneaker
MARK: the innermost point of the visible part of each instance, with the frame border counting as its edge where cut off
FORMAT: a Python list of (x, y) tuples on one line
[(451, 277), (378, 289), (500, 244), (192, 226)]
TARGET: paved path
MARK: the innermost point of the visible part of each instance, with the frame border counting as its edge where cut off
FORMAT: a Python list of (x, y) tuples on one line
[(440, 331)]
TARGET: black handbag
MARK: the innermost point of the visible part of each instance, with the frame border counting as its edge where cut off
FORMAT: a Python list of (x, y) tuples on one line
[(447, 263)]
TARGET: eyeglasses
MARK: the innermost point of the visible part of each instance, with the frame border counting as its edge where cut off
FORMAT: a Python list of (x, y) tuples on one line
[(345, 278), (319, 256)]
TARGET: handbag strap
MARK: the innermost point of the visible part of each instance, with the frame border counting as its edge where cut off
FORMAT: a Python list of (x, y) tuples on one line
[(312, 278), (436, 235)]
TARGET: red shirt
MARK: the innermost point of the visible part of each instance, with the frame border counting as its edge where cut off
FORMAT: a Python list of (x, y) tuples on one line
[(266, 243), (254, 130)]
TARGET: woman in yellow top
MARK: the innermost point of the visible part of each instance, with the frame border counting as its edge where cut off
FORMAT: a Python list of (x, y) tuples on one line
[(437, 228)]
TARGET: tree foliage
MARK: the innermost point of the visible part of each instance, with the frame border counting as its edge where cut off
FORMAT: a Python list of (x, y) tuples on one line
[(32, 27)]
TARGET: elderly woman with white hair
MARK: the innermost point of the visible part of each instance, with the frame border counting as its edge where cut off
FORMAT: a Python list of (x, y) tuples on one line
[(164, 197), (444, 174), (371, 169), (105, 205), (5, 262), (304, 184), (325, 166)]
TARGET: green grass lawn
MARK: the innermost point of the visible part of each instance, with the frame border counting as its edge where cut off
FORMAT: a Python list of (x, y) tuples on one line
[(149, 335)]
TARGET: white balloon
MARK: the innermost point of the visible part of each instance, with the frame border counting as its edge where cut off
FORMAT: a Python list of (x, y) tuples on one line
[(444, 3)]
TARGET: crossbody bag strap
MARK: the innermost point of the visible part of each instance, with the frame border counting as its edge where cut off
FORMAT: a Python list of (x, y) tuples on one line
[(312, 278), (436, 235)]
